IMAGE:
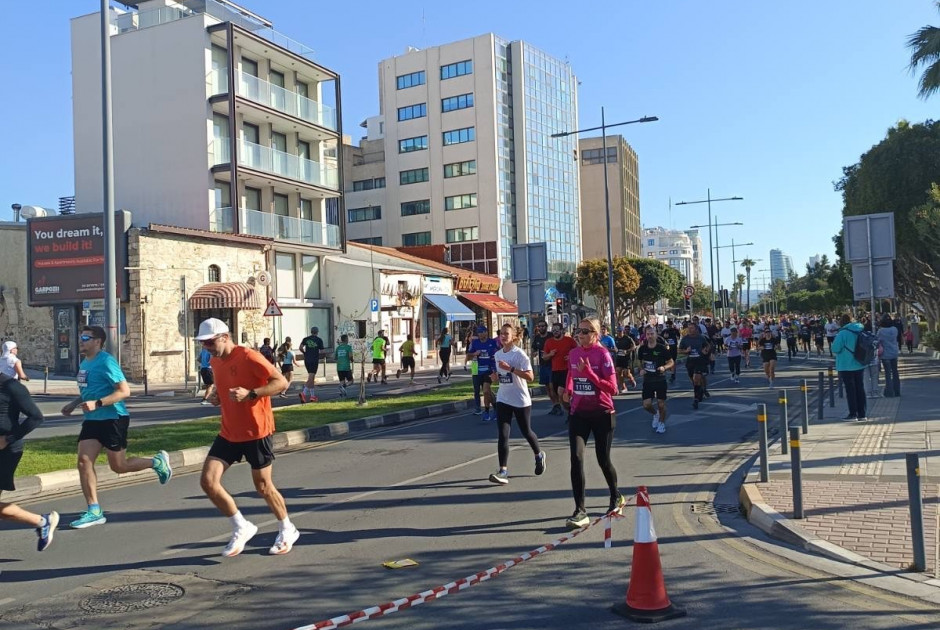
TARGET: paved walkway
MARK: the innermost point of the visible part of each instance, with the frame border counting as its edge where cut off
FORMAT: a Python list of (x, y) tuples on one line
[(854, 474)]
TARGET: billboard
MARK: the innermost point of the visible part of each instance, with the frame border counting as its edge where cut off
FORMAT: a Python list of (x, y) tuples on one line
[(65, 257)]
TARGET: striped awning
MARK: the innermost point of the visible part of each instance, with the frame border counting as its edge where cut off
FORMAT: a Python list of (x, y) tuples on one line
[(225, 295)]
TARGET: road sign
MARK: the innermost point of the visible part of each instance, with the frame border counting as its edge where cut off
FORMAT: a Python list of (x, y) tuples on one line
[(565, 320), (374, 305), (688, 291), (273, 310), (529, 262)]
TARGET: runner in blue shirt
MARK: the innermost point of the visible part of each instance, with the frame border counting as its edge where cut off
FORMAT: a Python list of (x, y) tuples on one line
[(607, 341), (483, 349)]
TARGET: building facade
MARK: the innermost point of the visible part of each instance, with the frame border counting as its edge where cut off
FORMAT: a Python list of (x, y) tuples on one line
[(468, 155), (781, 266), (220, 124), (624, 194), (671, 247)]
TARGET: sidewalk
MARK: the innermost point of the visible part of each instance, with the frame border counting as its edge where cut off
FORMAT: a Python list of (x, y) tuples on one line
[(854, 476)]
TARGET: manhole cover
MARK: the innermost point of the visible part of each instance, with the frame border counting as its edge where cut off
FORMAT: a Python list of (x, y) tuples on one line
[(714, 508), (131, 597)]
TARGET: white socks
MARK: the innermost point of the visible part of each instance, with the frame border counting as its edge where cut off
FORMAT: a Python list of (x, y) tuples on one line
[(285, 525), (238, 521)]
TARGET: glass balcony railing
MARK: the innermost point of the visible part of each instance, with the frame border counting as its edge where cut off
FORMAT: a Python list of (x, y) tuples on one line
[(281, 99), (221, 151), (222, 220), (289, 228), (287, 165)]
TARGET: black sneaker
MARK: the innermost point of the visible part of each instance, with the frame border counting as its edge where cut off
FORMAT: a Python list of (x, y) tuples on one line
[(540, 463), (617, 503), (707, 395), (577, 520), (695, 404), (850, 416)]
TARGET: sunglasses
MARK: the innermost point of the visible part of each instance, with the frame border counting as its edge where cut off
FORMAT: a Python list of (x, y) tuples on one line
[(209, 342), (584, 331), (86, 337)]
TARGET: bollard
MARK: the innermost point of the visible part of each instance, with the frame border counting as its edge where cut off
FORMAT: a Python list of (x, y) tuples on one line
[(784, 420), (917, 511), (796, 473), (45, 381), (762, 436), (146, 384), (832, 391), (804, 387), (819, 397)]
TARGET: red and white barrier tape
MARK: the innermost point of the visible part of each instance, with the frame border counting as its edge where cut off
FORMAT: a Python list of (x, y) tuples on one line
[(454, 587)]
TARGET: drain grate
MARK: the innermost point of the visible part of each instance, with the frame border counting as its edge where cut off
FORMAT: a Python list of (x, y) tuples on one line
[(131, 597), (703, 507)]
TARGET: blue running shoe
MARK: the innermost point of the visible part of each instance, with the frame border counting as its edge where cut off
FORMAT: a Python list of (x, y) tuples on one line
[(46, 531), (500, 477), (88, 519), (161, 466), (540, 463), (493, 414)]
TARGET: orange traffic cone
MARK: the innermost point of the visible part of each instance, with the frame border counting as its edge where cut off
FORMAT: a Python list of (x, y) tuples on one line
[(647, 600)]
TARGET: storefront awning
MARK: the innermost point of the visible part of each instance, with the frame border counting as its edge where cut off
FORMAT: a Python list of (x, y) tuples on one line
[(453, 310), (491, 303), (225, 295)]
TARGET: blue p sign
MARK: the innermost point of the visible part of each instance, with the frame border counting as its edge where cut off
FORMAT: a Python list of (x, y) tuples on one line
[(374, 305)]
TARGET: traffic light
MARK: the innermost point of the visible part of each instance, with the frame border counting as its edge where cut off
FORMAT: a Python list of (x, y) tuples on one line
[(549, 309), (560, 304), (688, 304)]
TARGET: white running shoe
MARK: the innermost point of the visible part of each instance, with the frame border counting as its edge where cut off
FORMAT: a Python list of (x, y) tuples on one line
[(661, 428), (240, 538), (284, 542), (656, 420)]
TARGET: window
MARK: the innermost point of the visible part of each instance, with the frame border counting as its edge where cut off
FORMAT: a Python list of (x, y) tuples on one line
[(458, 136), (371, 213), (413, 176), (372, 240), (595, 156), (411, 208), (416, 238), (249, 66), (379, 182), (407, 145), (368, 184), (253, 199), (458, 235), (413, 111), (459, 169), (411, 80), (662, 252), (457, 102), (458, 202), (456, 69), (651, 242), (306, 209), (215, 273), (310, 276), (284, 275)]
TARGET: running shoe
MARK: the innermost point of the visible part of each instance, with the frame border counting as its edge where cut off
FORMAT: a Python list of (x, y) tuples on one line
[(771, 383), (617, 504), (46, 531), (500, 477), (384, 381), (577, 520), (88, 519), (540, 463), (397, 373), (438, 380), (342, 391), (161, 466), (303, 398), (284, 542), (447, 378), (862, 419), (661, 428), (695, 404), (655, 420), (850, 416), (369, 378), (205, 402), (239, 539), (706, 394), (478, 412)]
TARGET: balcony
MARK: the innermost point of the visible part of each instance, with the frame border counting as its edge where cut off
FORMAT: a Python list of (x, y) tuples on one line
[(268, 160), (289, 228), (222, 220), (276, 97)]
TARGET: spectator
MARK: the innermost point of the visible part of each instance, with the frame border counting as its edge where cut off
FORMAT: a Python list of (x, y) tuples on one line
[(10, 364), (851, 372), (888, 337)]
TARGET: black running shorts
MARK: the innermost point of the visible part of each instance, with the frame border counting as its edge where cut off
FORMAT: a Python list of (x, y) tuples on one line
[(258, 453), (112, 434)]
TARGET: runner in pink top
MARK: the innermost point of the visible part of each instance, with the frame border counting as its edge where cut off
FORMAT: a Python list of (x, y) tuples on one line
[(591, 385)]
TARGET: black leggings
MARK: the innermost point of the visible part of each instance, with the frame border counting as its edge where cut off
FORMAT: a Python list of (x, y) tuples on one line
[(734, 365), (523, 415), (445, 362), (580, 427)]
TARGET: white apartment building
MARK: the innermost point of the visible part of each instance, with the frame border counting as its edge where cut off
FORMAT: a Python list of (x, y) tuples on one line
[(623, 186), (672, 247), (781, 266), (468, 157), (220, 124)]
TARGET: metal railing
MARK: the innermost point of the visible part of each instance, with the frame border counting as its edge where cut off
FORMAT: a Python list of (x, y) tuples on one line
[(289, 228), (222, 220), (287, 165), (282, 99)]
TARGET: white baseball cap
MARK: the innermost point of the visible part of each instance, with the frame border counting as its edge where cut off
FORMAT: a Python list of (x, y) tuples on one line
[(210, 328), (8, 346)]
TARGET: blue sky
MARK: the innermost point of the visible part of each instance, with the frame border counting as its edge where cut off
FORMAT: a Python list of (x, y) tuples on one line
[(762, 100)]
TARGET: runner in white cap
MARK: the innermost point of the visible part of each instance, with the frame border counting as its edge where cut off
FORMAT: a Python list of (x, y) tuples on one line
[(10, 364)]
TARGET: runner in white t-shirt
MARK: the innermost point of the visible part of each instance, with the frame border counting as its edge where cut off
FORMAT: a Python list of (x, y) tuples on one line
[(513, 374)]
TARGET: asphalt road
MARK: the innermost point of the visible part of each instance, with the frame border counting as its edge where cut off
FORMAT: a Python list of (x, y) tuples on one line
[(419, 491)]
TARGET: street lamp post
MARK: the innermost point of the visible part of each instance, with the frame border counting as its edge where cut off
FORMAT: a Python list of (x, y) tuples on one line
[(711, 260), (610, 257), (716, 246)]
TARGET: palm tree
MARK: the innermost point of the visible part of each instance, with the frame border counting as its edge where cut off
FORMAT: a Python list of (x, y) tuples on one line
[(925, 53), (740, 280), (748, 263)]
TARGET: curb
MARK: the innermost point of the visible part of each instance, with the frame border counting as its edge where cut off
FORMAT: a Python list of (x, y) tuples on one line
[(774, 524), (64, 481)]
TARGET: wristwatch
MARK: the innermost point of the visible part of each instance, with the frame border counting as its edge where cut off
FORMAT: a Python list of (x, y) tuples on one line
[(98, 403), (252, 395)]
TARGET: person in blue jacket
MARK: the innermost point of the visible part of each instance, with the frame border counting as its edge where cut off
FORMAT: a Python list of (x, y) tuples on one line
[(851, 372)]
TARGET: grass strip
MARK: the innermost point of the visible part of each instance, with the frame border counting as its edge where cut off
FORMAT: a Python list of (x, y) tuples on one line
[(59, 453)]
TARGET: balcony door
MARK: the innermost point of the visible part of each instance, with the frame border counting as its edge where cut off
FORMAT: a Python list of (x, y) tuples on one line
[(278, 93), (282, 213), (251, 87), (279, 144), (251, 151)]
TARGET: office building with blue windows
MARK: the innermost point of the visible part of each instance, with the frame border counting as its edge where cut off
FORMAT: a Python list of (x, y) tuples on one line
[(467, 158)]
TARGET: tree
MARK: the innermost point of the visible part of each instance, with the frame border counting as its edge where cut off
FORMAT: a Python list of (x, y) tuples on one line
[(748, 264), (738, 285), (925, 53), (591, 277), (657, 281), (896, 175)]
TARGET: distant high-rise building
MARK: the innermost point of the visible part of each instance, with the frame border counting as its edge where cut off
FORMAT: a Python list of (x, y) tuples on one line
[(623, 185), (815, 260), (696, 253), (469, 159), (781, 265), (672, 247)]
